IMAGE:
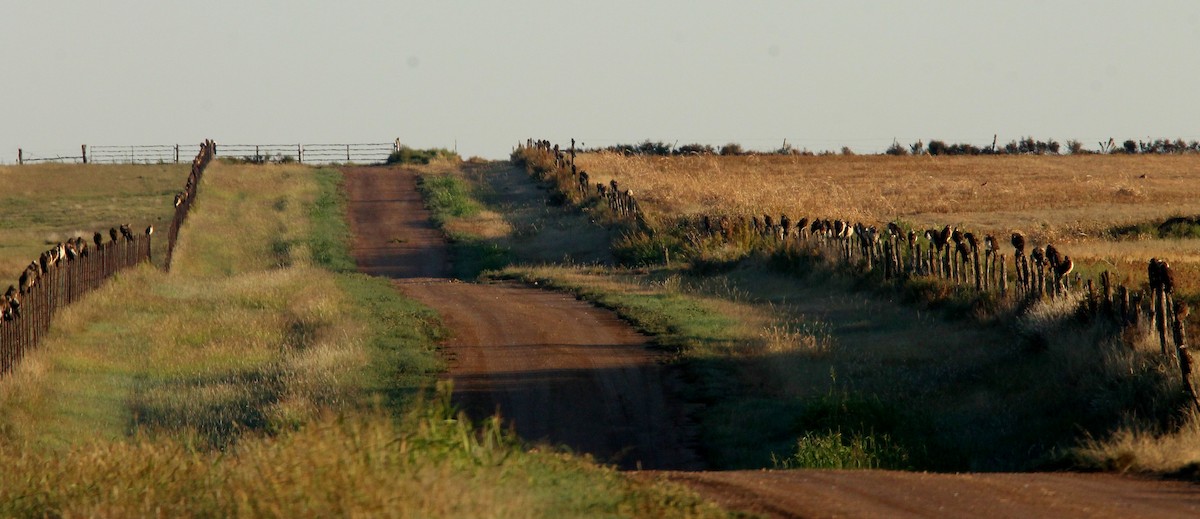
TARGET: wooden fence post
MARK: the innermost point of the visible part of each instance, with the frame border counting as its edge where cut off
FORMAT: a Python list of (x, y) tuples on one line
[(1160, 317), (1185, 358), (1003, 276), (975, 266), (20, 156), (300, 153), (83, 150)]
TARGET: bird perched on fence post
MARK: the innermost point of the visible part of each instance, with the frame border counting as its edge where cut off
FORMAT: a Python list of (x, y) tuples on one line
[(1062, 270), (12, 304)]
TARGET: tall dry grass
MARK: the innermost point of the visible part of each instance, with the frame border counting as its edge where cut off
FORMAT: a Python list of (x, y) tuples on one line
[(432, 463), (1054, 197)]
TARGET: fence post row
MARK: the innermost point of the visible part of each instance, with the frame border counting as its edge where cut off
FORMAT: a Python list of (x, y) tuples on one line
[(953, 255), (63, 274), (184, 199)]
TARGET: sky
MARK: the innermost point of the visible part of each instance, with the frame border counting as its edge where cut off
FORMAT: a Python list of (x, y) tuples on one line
[(482, 76)]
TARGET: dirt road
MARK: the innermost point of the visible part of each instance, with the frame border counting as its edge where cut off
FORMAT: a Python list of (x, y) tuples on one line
[(875, 493), (558, 369), (571, 374)]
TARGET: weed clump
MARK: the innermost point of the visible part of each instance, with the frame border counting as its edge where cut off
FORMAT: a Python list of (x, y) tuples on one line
[(406, 155)]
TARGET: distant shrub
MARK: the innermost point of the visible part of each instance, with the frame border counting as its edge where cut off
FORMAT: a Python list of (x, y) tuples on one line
[(917, 148), (1130, 146), (732, 148), (847, 151), (648, 147), (260, 159), (695, 149), (1075, 147), (406, 155), (897, 149), (1031, 146), (937, 147)]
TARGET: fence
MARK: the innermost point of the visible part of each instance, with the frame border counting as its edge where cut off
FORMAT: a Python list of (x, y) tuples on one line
[(60, 277), (184, 199), (310, 153), (893, 254), (169, 153), (63, 274)]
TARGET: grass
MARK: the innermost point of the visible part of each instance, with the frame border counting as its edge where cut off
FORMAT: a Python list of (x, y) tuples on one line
[(246, 334), (48, 203), (1105, 212), (431, 463), (449, 199), (494, 216), (1052, 197)]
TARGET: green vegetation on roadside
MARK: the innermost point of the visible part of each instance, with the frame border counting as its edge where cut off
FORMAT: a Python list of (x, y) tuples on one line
[(429, 463), (330, 236), (449, 198)]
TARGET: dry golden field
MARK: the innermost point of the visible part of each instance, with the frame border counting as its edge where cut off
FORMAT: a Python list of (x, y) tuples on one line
[(1052, 197), (1072, 201)]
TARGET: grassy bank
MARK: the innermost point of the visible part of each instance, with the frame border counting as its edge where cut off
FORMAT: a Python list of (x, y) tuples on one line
[(494, 216)]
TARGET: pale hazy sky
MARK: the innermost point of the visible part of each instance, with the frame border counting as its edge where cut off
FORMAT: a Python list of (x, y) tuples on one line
[(489, 74)]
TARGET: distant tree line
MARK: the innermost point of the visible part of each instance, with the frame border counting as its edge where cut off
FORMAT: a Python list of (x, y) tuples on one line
[(1022, 146)]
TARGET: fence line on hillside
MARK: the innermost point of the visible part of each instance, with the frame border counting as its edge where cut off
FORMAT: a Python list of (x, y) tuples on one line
[(184, 199), (63, 274), (371, 152), (894, 254)]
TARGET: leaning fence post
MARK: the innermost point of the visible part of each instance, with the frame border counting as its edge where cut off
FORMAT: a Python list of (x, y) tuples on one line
[(1185, 358), (83, 150)]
